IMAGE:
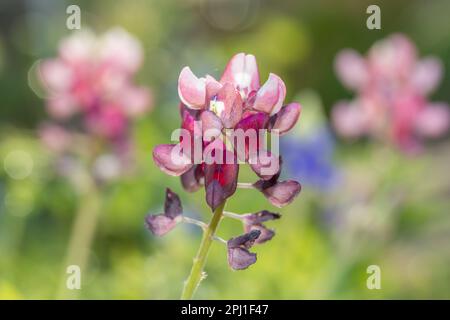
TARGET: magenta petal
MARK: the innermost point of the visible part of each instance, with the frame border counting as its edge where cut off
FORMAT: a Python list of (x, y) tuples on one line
[(159, 225), (256, 122), (265, 164), (211, 124), (192, 90), (228, 105), (281, 193), (286, 118), (268, 95), (169, 161), (242, 72)]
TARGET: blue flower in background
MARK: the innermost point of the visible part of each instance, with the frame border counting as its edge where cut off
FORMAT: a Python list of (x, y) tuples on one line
[(309, 159)]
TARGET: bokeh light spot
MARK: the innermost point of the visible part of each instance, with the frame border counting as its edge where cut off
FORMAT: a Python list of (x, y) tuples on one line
[(18, 164)]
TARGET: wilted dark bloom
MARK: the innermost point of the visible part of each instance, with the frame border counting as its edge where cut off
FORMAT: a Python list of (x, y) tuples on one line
[(239, 257), (160, 224), (254, 221)]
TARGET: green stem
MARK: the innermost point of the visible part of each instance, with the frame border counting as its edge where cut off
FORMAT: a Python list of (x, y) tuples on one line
[(82, 236), (196, 274)]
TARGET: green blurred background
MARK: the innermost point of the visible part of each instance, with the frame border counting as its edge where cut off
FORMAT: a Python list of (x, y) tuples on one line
[(391, 211)]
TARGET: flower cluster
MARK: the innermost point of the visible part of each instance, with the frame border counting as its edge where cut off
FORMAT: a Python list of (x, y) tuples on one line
[(93, 77), (89, 88), (211, 113), (392, 84)]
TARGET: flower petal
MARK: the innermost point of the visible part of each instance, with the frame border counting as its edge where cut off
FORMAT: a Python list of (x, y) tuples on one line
[(253, 122), (261, 216), (427, 75), (192, 90), (220, 179), (159, 225), (242, 72), (266, 233), (227, 105), (172, 205), (349, 119), (281, 193), (286, 118), (268, 96), (265, 164), (240, 258), (212, 87), (351, 68), (211, 125), (434, 120), (170, 161), (192, 179), (238, 255), (244, 241)]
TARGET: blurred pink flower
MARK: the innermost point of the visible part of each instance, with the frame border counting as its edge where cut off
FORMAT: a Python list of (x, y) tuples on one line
[(55, 137), (93, 76), (391, 85)]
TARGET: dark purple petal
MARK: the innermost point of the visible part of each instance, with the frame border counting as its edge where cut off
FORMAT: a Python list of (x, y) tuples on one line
[(170, 162), (220, 183), (238, 255), (266, 233), (281, 193), (220, 176), (172, 205), (192, 179), (253, 221), (159, 225), (261, 216), (240, 259), (244, 241)]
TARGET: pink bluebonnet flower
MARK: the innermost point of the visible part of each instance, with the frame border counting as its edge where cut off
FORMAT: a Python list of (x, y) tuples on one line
[(93, 77), (391, 85), (92, 98), (212, 113)]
